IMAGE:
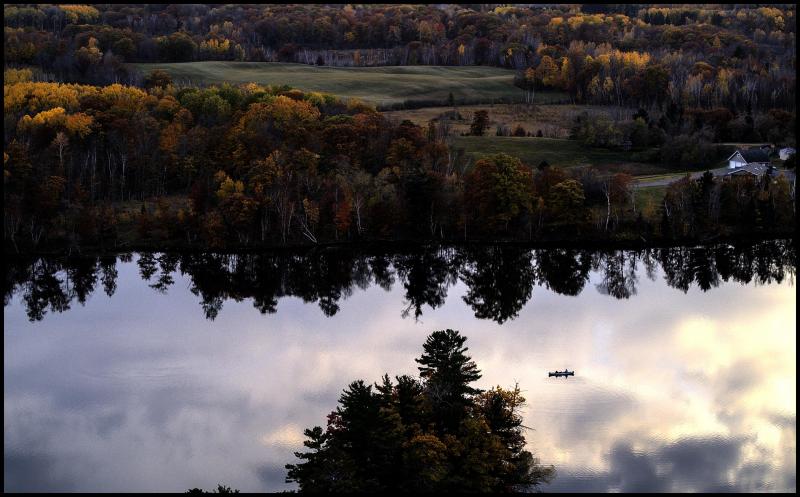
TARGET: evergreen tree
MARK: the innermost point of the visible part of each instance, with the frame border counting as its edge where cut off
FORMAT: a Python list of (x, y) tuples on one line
[(479, 123), (447, 373), (434, 435)]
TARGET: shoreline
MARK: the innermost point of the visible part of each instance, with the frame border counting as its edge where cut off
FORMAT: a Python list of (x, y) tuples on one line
[(392, 245)]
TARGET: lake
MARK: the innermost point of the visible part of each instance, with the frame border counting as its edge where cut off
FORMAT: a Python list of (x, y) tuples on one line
[(162, 372)]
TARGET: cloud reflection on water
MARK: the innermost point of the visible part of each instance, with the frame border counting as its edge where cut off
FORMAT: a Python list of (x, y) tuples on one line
[(673, 391)]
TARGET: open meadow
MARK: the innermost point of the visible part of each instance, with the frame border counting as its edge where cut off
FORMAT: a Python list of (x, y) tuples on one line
[(382, 86)]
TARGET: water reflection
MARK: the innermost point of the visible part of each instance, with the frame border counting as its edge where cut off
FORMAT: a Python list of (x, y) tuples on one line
[(685, 384), (500, 280)]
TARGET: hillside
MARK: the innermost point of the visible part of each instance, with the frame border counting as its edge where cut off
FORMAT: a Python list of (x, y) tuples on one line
[(382, 86)]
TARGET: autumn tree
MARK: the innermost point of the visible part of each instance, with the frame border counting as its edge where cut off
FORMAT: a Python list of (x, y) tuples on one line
[(498, 192), (527, 82), (566, 203), (617, 191), (158, 79)]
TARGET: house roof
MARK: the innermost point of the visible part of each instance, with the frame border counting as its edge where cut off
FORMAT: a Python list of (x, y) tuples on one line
[(754, 169), (752, 155)]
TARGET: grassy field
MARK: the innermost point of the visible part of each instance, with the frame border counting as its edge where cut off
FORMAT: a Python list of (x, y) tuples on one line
[(649, 201), (557, 152), (381, 86), (554, 121)]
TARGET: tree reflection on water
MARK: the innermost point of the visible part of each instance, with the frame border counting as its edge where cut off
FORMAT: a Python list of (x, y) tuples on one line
[(500, 280)]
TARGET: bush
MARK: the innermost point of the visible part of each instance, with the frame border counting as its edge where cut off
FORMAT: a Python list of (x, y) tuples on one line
[(157, 79), (598, 131)]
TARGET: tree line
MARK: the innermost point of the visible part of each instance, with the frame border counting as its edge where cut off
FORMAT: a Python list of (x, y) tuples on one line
[(499, 280)]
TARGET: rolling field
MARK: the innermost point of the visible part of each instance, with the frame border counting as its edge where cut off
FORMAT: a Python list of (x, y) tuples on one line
[(381, 86), (385, 86), (557, 152)]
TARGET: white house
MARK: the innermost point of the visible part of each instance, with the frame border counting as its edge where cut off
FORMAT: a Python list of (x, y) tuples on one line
[(752, 156), (785, 153)]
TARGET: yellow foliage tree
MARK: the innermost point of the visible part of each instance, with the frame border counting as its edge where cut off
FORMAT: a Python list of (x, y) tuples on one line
[(11, 76)]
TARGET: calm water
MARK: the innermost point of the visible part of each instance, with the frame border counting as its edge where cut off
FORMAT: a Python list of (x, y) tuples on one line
[(162, 372)]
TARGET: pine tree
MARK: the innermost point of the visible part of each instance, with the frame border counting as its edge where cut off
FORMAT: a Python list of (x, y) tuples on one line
[(447, 373), (480, 122)]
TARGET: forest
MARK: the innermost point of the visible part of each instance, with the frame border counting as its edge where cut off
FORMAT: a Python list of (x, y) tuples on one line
[(711, 56), (100, 156)]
